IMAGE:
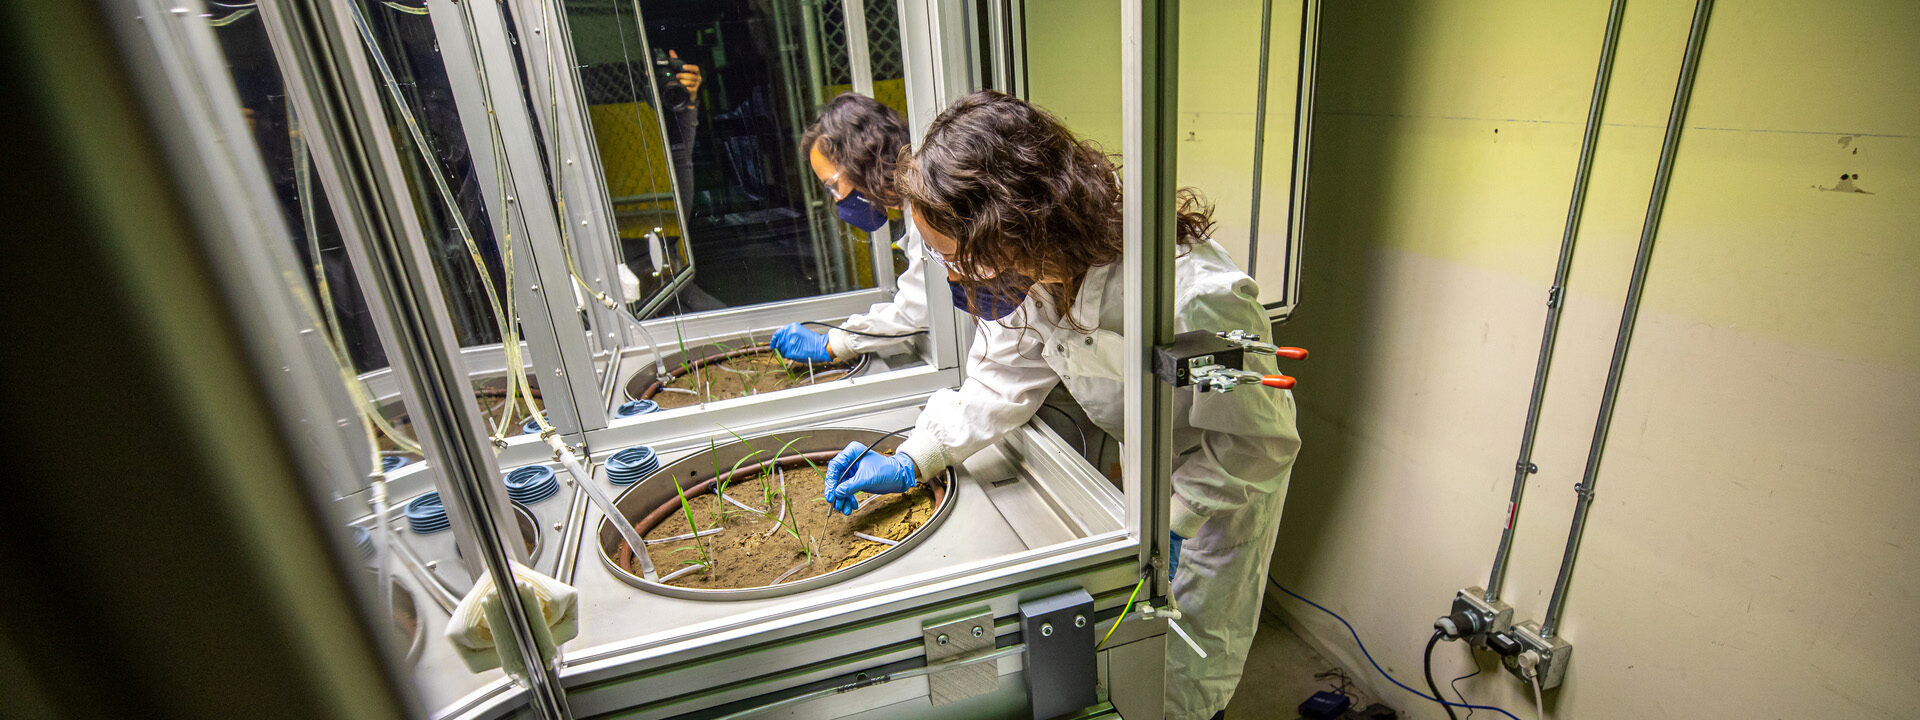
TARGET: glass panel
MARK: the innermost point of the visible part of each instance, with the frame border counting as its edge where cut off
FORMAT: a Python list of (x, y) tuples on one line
[(754, 210), (456, 220), (256, 77), (417, 599), (721, 175)]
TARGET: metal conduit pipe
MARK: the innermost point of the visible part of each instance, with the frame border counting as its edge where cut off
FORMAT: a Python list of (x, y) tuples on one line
[(1642, 259), (1557, 295)]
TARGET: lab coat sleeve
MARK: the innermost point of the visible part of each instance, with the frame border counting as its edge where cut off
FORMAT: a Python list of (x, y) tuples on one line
[(1247, 437), (1007, 379), (905, 313)]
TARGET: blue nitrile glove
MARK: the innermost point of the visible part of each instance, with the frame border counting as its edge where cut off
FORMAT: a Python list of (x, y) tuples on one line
[(1173, 555), (875, 473), (796, 342)]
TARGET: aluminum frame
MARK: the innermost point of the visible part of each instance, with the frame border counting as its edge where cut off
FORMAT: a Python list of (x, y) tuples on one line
[(480, 64), (431, 377), (332, 68)]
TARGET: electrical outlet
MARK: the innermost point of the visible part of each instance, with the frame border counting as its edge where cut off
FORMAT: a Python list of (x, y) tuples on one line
[(1553, 653), (1489, 616)]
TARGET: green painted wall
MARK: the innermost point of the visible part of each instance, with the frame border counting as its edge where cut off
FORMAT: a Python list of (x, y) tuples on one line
[(1758, 515), (1073, 70)]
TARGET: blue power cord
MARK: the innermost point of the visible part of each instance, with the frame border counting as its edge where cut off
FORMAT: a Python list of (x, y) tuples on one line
[(1376, 663)]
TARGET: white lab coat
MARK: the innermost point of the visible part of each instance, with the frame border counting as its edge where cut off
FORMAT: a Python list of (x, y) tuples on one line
[(1233, 452), (905, 313)]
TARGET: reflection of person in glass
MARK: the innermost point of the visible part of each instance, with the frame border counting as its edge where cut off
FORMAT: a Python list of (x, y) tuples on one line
[(853, 149), (679, 86)]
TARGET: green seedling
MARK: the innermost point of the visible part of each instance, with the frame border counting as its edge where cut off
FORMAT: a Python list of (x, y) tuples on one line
[(765, 490), (686, 508)]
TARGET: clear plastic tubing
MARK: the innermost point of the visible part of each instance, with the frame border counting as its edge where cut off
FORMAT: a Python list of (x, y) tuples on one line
[(585, 479)]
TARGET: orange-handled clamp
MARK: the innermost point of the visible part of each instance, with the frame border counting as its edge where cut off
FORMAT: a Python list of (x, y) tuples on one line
[(1283, 382)]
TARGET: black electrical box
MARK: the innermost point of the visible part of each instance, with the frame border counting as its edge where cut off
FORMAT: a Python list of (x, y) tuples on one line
[(1174, 364)]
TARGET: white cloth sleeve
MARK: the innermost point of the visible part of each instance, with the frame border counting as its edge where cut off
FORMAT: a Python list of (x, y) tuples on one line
[(1247, 437), (1007, 379), (471, 626), (905, 313)]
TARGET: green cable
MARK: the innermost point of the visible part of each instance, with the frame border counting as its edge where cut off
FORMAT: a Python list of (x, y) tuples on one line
[(1123, 614)]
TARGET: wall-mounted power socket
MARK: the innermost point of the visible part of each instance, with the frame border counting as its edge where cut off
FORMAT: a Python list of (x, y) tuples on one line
[(1489, 616), (1553, 655)]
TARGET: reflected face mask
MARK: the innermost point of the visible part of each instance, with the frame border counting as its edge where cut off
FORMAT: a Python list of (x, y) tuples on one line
[(860, 212), (993, 299)]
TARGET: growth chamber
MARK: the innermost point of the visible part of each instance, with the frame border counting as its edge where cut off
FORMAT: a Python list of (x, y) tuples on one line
[(520, 272)]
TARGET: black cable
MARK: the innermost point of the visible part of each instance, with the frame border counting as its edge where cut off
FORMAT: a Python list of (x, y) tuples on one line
[(1376, 663), (876, 443), (862, 334), (1427, 669), (1461, 695)]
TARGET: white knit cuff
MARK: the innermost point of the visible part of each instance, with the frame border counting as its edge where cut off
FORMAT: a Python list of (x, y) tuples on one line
[(840, 344), (1186, 521), (927, 454)]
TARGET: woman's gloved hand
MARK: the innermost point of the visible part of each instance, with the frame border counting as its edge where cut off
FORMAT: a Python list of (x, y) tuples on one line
[(796, 342), (1173, 555), (874, 473)]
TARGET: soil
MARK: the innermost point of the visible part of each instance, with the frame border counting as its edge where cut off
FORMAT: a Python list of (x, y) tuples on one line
[(403, 615), (750, 552), (763, 371)]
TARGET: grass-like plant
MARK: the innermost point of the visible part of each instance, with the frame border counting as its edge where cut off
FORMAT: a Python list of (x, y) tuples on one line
[(699, 543)]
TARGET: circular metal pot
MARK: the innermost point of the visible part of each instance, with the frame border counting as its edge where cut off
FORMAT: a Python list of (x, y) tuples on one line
[(647, 502)]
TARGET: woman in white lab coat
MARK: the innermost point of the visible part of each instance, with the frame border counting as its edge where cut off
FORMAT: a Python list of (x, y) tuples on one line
[(1026, 220), (854, 148)]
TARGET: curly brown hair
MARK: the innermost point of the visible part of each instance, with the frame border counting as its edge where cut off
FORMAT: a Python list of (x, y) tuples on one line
[(1020, 194), (864, 138)]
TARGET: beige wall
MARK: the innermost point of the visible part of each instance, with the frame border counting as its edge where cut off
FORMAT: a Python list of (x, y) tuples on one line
[(1754, 551)]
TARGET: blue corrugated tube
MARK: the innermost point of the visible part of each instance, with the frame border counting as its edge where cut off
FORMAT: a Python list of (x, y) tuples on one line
[(531, 426), (632, 465), (531, 484), (631, 408), (390, 463), (426, 514), (363, 542)]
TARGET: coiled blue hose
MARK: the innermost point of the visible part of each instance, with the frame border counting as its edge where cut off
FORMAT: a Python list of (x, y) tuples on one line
[(631, 408), (426, 514), (531, 426), (363, 542), (632, 465), (390, 463), (531, 484)]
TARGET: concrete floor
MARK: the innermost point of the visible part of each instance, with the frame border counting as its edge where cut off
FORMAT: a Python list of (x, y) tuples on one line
[(1279, 675)]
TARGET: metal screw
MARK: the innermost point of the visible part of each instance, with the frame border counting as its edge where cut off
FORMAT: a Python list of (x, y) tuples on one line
[(1089, 339), (942, 639), (535, 288), (431, 564), (559, 526), (1078, 620), (1046, 629), (977, 632)]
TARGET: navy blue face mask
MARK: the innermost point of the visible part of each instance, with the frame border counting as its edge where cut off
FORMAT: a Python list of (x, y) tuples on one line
[(860, 212), (993, 299)]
